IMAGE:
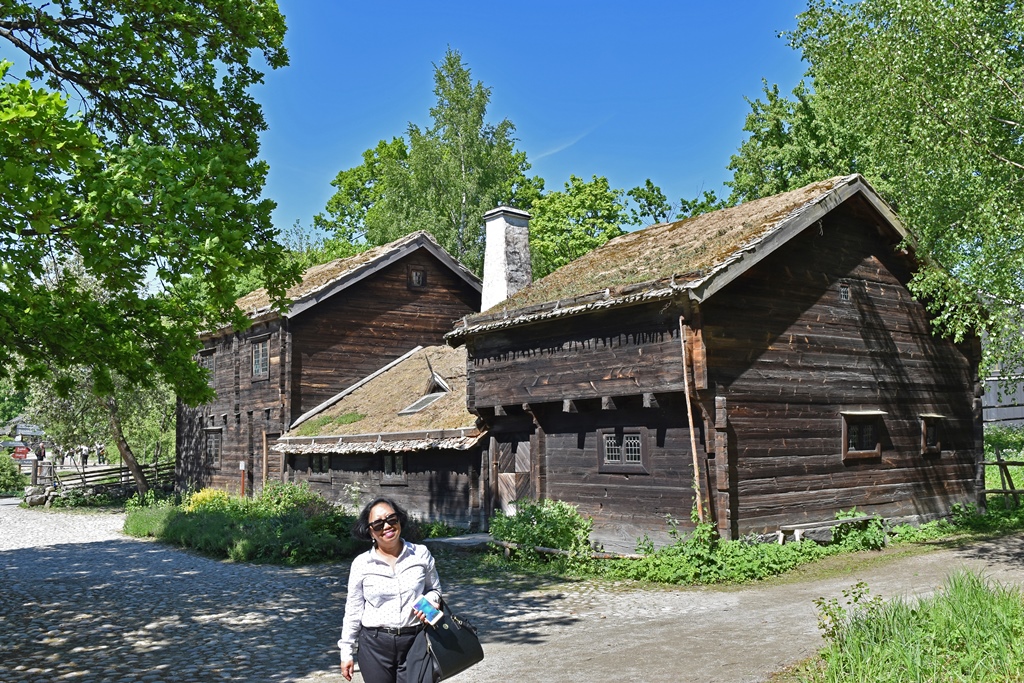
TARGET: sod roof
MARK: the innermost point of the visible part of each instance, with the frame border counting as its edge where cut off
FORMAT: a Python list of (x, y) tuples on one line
[(374, 407), (667, 258)]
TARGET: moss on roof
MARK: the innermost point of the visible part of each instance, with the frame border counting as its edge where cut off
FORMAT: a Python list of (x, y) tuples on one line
[(380, 399), (320, 276), (686, 250)]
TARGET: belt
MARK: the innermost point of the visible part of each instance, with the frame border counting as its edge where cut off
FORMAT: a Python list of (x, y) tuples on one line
[(396, 630)]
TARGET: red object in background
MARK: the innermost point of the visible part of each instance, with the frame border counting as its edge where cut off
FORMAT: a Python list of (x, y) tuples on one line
[(20, 452)]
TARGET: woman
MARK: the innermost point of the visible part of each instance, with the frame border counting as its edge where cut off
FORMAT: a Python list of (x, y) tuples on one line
[(383, 585)]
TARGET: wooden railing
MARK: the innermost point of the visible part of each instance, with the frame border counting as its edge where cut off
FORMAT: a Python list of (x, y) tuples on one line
[(1005, 479), (46, 474)]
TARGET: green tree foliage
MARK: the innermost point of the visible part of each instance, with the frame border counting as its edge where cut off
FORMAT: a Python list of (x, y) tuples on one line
[(568, 224), (13, 399), (441, 179), (923, 97), (789, 145), (153, 182), (652, 206)]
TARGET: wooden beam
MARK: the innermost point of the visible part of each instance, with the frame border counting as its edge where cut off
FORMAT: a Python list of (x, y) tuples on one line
[(569, 406), (651, 401), (607, 403)]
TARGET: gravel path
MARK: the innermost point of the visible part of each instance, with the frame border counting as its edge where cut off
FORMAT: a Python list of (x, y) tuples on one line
[(82, 602)]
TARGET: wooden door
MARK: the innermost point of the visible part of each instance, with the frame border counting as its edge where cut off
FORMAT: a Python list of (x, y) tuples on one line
[(513, 465)]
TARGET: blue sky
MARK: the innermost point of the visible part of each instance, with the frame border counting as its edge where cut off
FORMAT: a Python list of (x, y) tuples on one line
[(627, 90)]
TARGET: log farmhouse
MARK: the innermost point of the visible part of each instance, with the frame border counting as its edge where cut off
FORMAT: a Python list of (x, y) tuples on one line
[(346, 320), (767, 360), (402, 432)]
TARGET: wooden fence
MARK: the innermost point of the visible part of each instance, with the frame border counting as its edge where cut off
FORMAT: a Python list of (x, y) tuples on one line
[(1007, 487), (46, 474)]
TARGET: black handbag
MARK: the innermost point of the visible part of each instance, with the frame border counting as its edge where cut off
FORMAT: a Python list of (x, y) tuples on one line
[(453, 644)]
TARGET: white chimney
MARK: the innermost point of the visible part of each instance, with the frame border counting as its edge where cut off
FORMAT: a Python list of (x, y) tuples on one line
[(507, 266)]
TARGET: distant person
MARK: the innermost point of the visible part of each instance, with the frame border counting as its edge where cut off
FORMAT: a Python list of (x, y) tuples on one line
[(83, 455), (384, 583)]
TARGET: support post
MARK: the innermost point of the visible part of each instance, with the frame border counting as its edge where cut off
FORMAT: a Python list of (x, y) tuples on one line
[(689, 417)]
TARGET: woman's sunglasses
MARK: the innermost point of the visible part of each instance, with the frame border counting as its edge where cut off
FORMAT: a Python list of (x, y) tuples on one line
[(391, 520)]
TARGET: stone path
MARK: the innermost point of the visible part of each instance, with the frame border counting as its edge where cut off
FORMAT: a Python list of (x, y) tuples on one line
[(81, 602)]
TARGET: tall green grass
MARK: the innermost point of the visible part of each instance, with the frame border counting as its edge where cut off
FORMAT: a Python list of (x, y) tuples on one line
[(971, 630)]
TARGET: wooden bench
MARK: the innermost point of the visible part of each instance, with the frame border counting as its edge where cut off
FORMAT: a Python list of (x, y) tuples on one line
[(798, 529)]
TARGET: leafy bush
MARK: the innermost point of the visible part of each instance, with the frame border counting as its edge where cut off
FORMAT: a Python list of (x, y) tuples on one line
[(287, 524), (865, 535), (439, 530), (11, 478), (207, 500), (546, 524), (703, 558), (151, 521)]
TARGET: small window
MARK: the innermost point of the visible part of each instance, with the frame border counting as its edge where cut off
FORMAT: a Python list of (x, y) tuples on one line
[(417, 278), (623, 451), (320, 463), (393, 470), (207, 361), (213, 447), (931, 434), (844, 292), (261, 359), (862, 435)]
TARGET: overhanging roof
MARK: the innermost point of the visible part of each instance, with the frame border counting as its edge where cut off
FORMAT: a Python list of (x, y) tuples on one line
[(696, 257)]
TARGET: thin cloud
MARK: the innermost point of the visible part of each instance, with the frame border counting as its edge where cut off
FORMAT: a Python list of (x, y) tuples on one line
[(566, 145)]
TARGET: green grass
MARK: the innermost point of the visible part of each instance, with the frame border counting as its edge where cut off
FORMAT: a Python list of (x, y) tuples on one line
[(969, 631), (315, 426)]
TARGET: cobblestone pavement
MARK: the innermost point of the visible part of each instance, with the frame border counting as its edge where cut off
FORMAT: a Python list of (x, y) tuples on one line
[(81, 602)]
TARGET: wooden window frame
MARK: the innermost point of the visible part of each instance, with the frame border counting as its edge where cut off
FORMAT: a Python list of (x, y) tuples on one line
[(208, 359), (859, 420), (393, 470), (417, 278), (213, 459), (931, 426), (621, 466), (320, 466), (260, 362)]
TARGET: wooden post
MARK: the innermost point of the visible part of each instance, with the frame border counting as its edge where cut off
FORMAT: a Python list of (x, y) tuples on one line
[(689, 417), (266, 464)]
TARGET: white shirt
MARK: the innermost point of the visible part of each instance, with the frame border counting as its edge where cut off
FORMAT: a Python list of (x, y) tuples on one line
[(380, 596)]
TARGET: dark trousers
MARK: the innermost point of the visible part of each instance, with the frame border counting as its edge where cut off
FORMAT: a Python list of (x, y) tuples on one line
[(382, 656)]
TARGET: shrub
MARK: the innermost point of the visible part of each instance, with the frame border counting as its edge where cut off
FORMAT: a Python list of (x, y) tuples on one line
[(151, 521), (207, 500), (547, 524), (11, 478), (280, 498), (286, 524), (703, 558), (866, 535)]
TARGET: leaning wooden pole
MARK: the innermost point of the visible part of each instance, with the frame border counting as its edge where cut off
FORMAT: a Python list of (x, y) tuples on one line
[(689, 417)]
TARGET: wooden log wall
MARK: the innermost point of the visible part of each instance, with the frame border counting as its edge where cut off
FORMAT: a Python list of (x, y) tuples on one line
[(245, 409), (613, 353), (788, 353), (572, 461), (371, 323), (312, 357), (439, 485)]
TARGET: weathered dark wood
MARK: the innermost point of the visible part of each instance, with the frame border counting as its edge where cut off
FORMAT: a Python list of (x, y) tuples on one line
[(778, 356), (312, 357)]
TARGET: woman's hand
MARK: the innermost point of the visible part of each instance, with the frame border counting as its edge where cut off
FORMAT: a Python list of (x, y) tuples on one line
[(347, 667), (421, 616)]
